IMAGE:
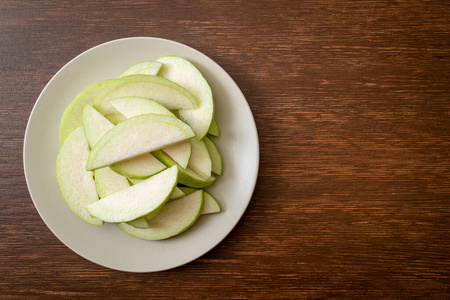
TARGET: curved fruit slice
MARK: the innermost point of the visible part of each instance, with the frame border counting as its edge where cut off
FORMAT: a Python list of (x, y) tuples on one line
[(77, 185), (109, 182), (95, 125), (137, 136), (72, 116), (185, 176), (139, 223), (140, 167), (142, 222), (174, 218), (214, 128), (216, 161), (200, 161), (181, 71), (161, 90), (135, 106), (145, 67), (181, 153), (177, 193), (210, 205), (137, 200)]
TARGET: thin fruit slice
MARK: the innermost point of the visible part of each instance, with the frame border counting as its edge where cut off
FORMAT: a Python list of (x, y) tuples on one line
[(174, 218), (181, 71), (216, 160), (137, 200), (140, 167), (185, 176), (95, 125), (109, 182), (135, 106), (72, 116), (145, 67), (137, 136), (180, 153), (77, 185), (200, 161), (161, 90), (214, 128), (142, 222), (177, 193), (210, 205)]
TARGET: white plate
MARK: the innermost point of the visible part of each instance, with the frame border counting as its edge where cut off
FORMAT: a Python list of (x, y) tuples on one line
[(107, 245)]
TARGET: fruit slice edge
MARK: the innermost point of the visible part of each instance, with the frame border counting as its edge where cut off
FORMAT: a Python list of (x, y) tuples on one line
[(136, 201), (175, 217), (76, 185), (137, 136)]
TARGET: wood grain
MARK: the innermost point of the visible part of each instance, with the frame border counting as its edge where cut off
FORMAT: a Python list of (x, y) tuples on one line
[(352, 105)]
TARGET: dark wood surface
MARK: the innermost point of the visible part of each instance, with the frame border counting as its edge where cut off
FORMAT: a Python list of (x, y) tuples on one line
[(352, 104)]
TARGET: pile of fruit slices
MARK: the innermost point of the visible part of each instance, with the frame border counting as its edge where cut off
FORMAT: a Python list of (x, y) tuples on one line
[(135, 150)]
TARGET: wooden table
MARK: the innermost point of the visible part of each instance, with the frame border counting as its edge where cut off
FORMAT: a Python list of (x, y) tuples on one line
[(352, 105)]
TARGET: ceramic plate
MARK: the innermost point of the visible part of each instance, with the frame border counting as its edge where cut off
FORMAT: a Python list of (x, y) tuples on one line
[(107, 245)]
